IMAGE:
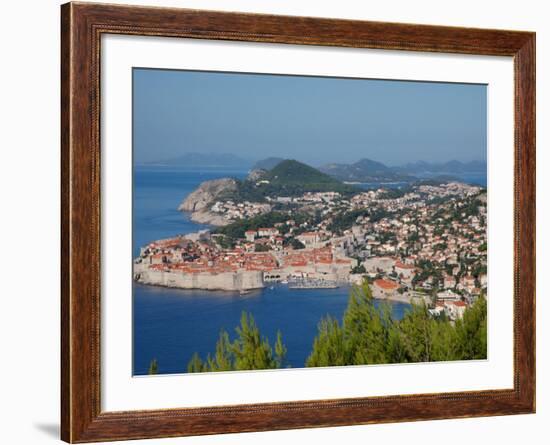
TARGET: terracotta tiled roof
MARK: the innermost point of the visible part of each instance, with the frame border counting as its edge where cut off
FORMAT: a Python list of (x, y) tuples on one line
[(386, 284), (403, 265)]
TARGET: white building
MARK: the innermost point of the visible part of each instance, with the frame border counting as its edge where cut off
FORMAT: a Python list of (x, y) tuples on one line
[(385, 264), (269, 231), (448, 295), (407, 271), (309, 238)]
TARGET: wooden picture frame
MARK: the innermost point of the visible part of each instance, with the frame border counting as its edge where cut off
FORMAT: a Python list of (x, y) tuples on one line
[(82, 25)]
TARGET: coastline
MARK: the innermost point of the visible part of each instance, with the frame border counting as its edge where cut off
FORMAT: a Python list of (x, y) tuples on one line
[(207, 217), (259, 290), (232, 283), (226, 281), (398, 298)]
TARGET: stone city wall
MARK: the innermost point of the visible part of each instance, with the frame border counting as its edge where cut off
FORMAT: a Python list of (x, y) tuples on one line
[(229, 281)]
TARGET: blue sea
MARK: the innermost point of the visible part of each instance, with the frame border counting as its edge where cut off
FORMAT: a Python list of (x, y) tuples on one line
[(171, 324), (469, 178)]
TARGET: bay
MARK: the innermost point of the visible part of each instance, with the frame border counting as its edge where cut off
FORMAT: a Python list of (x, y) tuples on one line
[(171, 324)]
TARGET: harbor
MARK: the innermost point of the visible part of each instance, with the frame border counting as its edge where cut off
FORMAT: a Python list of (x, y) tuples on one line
[(312, 284)]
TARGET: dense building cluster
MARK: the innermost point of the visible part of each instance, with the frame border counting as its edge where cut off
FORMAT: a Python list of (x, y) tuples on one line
[(239, 210), (426, 243)]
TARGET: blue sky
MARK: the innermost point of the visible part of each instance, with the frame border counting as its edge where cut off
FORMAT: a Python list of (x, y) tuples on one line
[(312, 119)]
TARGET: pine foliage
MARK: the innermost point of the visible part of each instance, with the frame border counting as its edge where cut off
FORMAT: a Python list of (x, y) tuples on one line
[(248, 351), (368, 334)]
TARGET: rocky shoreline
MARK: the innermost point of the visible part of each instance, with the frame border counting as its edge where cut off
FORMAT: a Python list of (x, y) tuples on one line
[(209, 218), (206, 193), (198, 202)]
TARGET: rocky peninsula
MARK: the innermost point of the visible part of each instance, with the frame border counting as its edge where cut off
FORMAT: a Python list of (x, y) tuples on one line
[(199, 201)]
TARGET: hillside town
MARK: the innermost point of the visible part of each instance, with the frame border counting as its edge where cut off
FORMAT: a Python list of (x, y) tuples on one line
[(426, 243)]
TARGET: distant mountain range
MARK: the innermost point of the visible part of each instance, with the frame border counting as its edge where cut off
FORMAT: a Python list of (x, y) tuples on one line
[(365, 170), (362, 171), (420, 168)]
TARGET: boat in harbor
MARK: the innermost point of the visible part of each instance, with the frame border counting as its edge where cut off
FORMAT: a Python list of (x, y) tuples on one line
[(312, 284)]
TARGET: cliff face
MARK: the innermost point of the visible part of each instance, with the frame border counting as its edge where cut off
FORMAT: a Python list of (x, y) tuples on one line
[(206, 193), (206, 217)]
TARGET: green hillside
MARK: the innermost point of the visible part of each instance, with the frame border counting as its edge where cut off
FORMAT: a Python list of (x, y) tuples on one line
[(290, 172), (267, 164), (288, 178)]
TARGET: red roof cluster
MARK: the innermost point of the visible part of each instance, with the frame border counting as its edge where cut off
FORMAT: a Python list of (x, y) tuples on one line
[(304, 257), (386, 284), (401, 265), (230, 261)]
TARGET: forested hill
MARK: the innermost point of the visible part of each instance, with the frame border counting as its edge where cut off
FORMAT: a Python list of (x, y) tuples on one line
[(290, 172), (267, 164), (291, 178)]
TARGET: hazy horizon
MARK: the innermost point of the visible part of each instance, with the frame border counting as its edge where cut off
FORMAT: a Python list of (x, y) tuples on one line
[(316, 120), (254, 160)]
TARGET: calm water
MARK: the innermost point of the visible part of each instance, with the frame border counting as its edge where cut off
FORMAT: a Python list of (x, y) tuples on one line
[(158, 191), (469, 178), (171, 324)]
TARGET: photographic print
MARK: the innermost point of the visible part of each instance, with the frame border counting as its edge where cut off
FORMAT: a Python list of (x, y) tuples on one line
[(284, 221)]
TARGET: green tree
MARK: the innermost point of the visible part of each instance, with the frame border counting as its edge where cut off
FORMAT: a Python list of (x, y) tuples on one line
[(225, 242), (416, 329), (444, 340), (261, 248), (250, 350), (471, 331), (395, 348), (223, 359), (280, 351), (297, 244), (329, 348), (368, 334), (153, 367), (364, 329), (196, 364)]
